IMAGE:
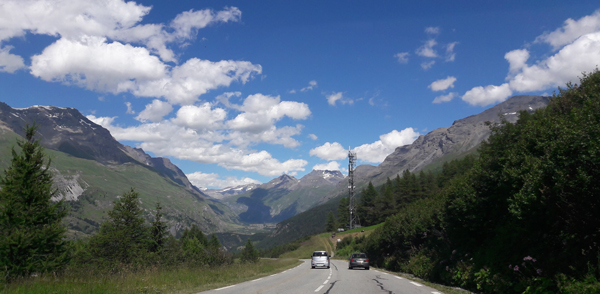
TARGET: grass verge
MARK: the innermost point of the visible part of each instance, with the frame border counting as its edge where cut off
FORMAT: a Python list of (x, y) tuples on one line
[(178, 280)]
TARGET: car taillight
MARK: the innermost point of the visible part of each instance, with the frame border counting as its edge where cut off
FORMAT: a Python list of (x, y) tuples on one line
[(367, 260), (352, 259)]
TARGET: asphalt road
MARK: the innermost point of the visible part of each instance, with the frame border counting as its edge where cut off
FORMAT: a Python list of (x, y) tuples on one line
[(337, 279)]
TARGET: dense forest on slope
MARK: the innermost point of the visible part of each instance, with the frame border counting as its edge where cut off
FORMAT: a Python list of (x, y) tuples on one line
[(522, 219)]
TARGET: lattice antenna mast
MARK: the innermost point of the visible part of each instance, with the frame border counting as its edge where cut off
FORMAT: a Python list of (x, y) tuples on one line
[(354, 220)]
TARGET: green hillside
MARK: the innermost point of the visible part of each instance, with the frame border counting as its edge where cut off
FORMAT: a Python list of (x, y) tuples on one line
[(104, 183)]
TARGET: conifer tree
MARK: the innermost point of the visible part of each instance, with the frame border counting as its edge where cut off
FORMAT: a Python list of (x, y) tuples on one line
[(158, 230), (330, 225), (249, 254), (123, 237), (32, 236)]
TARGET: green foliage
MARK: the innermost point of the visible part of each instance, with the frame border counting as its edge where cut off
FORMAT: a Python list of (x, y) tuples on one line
[(158, 230), (123, 237), (343, 213), (249, 254), (32, 237), (330, 225)]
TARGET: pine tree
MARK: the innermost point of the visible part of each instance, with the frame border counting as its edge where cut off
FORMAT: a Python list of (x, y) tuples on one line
[(123, 237), (330, 226), (249, 254), (343, 213), (158, 230), (32, 236)]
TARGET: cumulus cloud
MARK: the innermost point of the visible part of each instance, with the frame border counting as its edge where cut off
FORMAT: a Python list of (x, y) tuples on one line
[(329, 151), (571, 30), (333, 98), (427, 65), (215, 181), (155, 111), (332, 165), (432, 30), (312, 84), (376, 152), (133, 61), (169, 139), (578, 52), (129, 109), (313, 136), (482, 96), (402, 57), (442, 85), (427, 49), (10, 62), (200, 117), (445, 98)]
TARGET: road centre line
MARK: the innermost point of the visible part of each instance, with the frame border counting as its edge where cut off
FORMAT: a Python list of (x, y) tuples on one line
[(319, 289), (326, 281), (399, 278), (224, 288), (416, 284), (436, 293)]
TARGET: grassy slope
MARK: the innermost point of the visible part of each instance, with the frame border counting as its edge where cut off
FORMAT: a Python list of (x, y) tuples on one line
[(151, 281), (104, 183)]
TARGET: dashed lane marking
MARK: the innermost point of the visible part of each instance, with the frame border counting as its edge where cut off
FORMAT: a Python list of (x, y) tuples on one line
[(399, 278), (319, 289), (326, 281), (256, 280), (224, 288), (416, 284)]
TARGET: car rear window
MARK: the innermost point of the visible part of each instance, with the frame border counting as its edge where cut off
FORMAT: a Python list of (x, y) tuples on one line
[(360, 255), (318, 253)]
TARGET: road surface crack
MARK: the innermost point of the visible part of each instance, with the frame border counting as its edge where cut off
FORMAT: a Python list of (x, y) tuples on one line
[(381, 285)]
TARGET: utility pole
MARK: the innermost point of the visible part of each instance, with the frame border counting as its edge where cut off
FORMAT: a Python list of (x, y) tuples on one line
[(354, 220)]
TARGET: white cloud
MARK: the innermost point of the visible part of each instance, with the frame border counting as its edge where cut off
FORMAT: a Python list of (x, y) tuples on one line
[(331, 99), (442, 85), (376, 152), (450, 55), (168, 139), (313, 136), (155, 111), (571, 30), (432, 30), (187, 22), (445, 98), (427, 65), (10, 62), (402, 57), (427, 49), (212, 180), (200, 117), (566, 65), (481, 96), (129, 109), (332, 165), (517, 59), (310, 86), (329, 151), (260, 112)]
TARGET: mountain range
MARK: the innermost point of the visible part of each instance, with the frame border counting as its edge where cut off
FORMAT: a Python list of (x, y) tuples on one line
[(91, 169)]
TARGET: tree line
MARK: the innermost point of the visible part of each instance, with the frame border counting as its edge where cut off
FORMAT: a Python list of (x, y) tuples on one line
[(520, 217), (33, 235)]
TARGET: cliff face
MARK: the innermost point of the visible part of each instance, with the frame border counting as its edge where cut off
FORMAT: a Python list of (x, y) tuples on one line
[(464, 135)]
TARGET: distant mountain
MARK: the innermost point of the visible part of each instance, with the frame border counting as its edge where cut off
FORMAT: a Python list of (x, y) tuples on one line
[(439, 145), (283, 197), (91, 169), (229, 191)]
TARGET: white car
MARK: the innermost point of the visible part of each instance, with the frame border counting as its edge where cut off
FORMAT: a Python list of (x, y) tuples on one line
[(319, 259)]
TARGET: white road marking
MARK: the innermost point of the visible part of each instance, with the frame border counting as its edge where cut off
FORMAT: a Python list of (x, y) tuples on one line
[(326, 281), (319, 289), (436, 293), (416, 284), (399, 278), (224, 288), (256, 280)]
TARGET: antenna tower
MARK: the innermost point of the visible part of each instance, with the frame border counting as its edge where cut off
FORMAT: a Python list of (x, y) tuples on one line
[(354, 220)]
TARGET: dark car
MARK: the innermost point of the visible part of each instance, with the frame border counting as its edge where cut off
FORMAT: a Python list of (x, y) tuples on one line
[(319, 259), (358, 260)]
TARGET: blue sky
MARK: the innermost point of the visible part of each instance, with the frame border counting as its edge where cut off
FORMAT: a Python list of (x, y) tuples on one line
[(236, 92)]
